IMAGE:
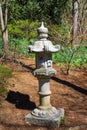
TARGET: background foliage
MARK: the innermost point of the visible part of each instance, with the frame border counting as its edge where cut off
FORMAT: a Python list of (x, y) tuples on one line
[(47, 10), (24, 18)]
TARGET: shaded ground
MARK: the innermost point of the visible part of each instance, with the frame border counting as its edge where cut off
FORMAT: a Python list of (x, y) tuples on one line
[(68, 92)]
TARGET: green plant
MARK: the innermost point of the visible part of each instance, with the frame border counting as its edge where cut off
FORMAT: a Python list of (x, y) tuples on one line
[(72, 57), (60, 34), (3, 91), (62, 121), (19, 46), (23, 29), (5, 74)]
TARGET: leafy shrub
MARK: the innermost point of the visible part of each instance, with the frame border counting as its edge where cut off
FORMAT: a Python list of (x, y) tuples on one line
[(5, 74), (69, 55), (20, 46), (16, 31), (60, 34), (79, 58), (23, 29)]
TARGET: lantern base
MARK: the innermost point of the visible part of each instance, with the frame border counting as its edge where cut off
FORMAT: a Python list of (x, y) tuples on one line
[(51, 120)]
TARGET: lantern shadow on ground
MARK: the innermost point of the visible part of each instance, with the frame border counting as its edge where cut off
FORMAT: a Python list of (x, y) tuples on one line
[(75, 87), (28, 67), (64, 82), (21, 101)]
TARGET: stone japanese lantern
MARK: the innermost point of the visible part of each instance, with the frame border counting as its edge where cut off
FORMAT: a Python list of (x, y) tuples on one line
[(45, 114)]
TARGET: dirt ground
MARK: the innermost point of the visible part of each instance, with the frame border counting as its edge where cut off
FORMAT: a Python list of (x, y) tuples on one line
[(68, 92)]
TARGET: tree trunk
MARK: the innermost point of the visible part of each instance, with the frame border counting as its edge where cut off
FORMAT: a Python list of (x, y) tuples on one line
[(4, 26), (5, 41), (75, 18)]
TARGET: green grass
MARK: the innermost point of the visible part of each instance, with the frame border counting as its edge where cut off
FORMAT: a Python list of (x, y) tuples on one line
[(79, 59)]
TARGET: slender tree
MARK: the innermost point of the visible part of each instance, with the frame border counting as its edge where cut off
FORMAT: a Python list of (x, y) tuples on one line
[(75, 17), (3, 22)]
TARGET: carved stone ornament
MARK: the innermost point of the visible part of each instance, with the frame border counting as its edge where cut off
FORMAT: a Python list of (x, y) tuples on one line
[(43, 44), (45, 114)]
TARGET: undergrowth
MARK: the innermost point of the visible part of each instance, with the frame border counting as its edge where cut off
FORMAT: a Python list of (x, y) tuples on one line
[(78, 60), (5, 74)]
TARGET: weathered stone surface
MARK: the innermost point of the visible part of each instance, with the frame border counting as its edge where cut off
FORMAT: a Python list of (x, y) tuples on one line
[(45, 114), (50, 120), (43, 45), (45, 72)]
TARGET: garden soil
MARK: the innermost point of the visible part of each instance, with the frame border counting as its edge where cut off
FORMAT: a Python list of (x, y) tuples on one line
[(68, 92)]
